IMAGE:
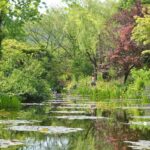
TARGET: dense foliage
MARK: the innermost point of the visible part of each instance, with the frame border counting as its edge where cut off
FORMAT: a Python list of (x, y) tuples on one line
[(22, 70), (57, 50), (127, 54)]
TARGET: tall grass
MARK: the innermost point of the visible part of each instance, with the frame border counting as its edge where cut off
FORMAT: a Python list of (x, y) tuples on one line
[(9, 102), (102, 91), (137, 87)]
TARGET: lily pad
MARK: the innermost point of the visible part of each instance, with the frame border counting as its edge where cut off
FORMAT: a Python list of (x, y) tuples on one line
[(8, 143), (18, 121), (136, 107), (72, 107), (139, 145), (45, 129), (141, 117), (80, 117), (68, 112), (33, 104), (140, 123)]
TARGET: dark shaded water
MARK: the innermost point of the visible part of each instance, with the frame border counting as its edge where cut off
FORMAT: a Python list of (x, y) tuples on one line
[(97, 134)]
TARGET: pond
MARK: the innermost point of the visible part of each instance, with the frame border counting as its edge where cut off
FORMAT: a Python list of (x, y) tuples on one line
[(71, 125)]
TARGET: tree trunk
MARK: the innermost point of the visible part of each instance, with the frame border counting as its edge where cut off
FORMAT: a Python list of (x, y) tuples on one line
[(127, 73), (126, 76), (93, 60), (95, 71)]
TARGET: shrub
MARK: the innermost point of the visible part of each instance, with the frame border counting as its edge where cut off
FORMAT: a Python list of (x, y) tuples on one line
[(102, 91), (10, 102), (137, 88), (23, 71), (141, 80)]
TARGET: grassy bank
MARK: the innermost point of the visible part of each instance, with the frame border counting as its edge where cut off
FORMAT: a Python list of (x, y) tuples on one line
[(137, 87)]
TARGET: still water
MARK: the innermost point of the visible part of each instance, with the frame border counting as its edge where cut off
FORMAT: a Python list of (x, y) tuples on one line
[(43, 128)]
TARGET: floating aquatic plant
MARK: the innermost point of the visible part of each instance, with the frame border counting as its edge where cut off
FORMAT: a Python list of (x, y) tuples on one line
[(8, 143), (45, 129), (139, 145), (80, 117), (17, 121)]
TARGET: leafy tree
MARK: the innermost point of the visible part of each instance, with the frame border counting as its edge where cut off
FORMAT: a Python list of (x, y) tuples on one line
[(128, 4), (86, 25), (24, 10), (127, 53), (146, 57), (76, 33), (14, 13), (125, 4), (22, 70), (53, 33), (141, 34), (48, 33), (3, 12)]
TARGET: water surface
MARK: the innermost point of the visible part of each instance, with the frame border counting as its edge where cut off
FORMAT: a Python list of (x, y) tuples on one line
[(43, 127)]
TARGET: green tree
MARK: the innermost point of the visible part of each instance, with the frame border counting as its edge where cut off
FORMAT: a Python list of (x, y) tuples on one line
[(86, 27), (22, 70), (48, 33), (141, 34), (74, 34), (3, 11), (20, 11), (127, 4)]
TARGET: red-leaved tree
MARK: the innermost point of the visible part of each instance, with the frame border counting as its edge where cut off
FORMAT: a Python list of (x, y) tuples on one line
[(127, 53)]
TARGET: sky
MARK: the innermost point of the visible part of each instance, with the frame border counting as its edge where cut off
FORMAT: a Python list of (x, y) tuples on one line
[(53, 3)]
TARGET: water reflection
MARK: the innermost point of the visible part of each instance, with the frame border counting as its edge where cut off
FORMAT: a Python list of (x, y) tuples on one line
[(97, 135), (47, 143), (99, 132)]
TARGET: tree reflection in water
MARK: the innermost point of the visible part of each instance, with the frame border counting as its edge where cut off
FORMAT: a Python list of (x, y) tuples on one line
[(99, 134)]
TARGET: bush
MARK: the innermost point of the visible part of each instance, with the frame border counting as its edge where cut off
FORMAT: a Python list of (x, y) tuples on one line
[(23, 71), (102, 91), (10, 102), (141, 79), (137, 88)]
